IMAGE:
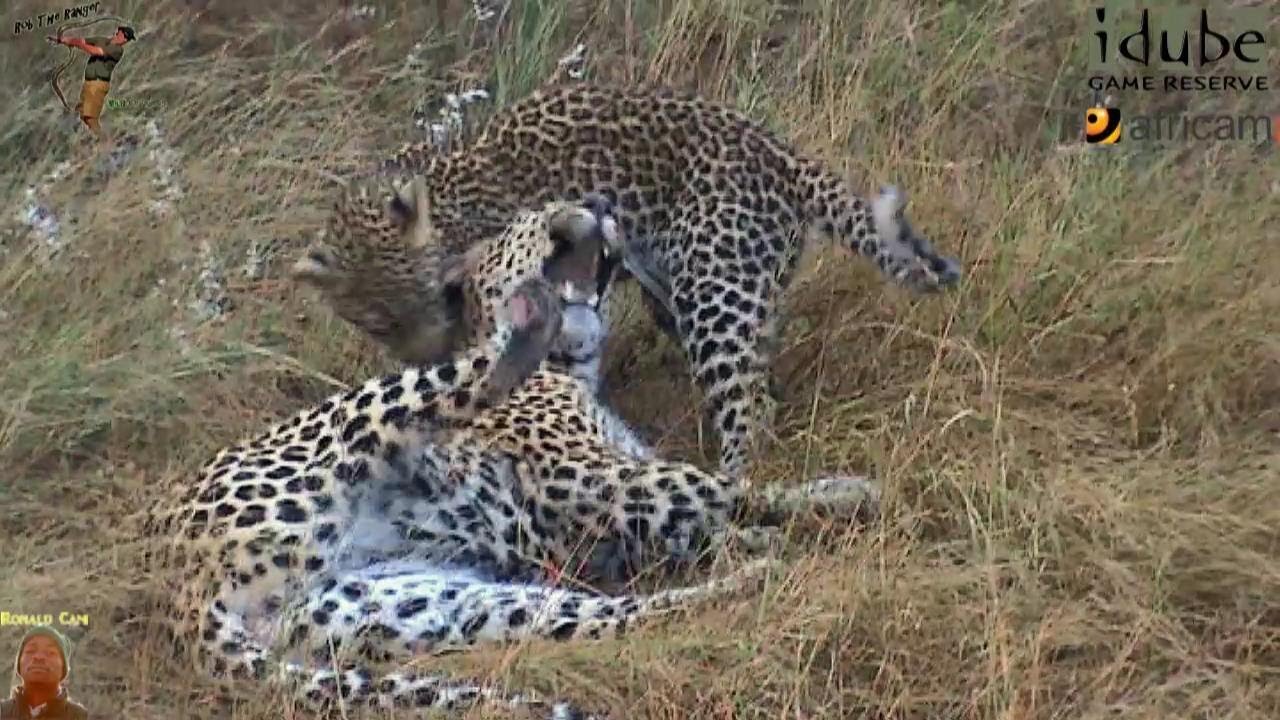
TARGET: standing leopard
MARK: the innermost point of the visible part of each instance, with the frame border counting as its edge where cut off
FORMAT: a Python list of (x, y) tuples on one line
[(380, 524), (717, 207)]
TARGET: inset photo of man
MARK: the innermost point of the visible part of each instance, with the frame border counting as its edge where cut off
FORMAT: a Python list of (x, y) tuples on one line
[(42, 664)]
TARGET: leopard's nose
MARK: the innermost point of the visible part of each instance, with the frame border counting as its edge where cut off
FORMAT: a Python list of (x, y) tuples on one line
[(946, 269)]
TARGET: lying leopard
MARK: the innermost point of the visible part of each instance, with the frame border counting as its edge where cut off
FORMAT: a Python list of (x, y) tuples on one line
[(719, 210), (590, 478), (381, 523)]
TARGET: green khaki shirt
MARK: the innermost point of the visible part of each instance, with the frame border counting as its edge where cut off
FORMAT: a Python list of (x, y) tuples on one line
[(100, 67)]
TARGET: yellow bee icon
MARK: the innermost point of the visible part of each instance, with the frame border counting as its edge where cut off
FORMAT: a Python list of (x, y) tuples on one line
[(1102, 125)]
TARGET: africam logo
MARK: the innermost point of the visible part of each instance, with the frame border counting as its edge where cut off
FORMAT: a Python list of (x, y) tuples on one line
[(1103, 125)]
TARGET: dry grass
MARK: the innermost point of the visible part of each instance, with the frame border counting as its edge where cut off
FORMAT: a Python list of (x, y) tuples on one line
[(1079, 447)]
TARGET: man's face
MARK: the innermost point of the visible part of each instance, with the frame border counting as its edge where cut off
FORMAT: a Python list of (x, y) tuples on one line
[(40, 662), (118, 38)]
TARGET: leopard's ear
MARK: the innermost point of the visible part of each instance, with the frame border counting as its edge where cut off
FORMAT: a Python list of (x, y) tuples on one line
[(887, 211), (410, 212), (890, 202), (403, 208)]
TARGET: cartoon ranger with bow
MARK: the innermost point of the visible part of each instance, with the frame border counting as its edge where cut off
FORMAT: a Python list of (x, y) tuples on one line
[(104, 54)]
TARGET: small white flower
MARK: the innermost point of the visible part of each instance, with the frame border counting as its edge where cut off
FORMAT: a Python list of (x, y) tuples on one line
[(573, 64)]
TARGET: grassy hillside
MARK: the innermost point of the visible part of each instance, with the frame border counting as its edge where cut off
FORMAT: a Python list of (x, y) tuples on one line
[(1080, 447)]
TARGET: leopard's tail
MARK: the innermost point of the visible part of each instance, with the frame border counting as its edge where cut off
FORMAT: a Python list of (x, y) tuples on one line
[(333, 692), (324, 690), (878, 229), (622, 611)]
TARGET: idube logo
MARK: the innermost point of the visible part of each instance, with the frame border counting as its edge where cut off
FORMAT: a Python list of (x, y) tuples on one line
[(1179, 40)]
